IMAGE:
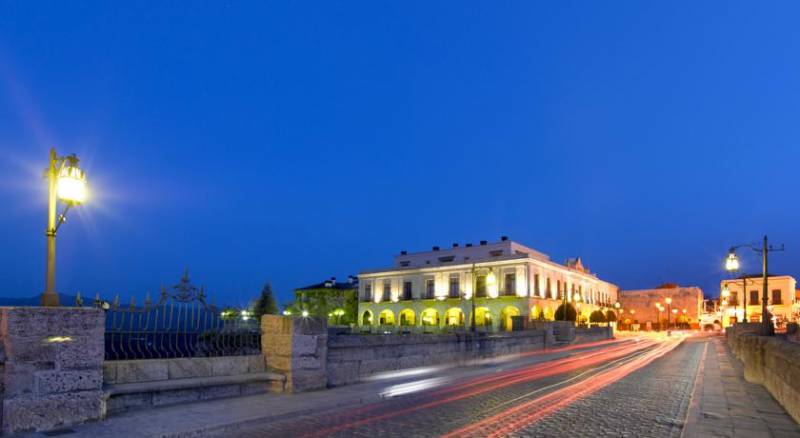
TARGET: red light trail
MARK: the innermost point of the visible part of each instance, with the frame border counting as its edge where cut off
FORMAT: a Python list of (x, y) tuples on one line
[(479, 385)]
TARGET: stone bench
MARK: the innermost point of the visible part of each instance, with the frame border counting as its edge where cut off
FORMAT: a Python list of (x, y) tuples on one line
[(122, 397)]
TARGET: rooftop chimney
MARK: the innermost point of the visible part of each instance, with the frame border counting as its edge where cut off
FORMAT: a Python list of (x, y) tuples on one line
[(483, 242), (503, 238), (455, 245), (469, 245), (403, 252), (436, 248)]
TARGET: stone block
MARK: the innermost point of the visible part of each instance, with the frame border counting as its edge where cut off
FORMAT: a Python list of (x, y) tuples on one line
[(256, 364), (40, 413), (343, 374), (306, 381), (54, 382), (229, 365), (186, 368), (162, 398), (80, 352), (126, 402), (30, 349), (212, 392), (130, 371), (52, 321), (109, 372)]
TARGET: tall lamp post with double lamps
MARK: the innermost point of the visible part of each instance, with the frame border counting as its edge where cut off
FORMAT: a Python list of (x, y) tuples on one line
[(66, 182), (658, 306), (668, 300), (764, 250)]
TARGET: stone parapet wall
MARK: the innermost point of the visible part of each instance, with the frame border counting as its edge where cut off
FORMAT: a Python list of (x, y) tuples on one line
[(771, 362), (297, 348), (352, 358), (53, 370), (593, 334)]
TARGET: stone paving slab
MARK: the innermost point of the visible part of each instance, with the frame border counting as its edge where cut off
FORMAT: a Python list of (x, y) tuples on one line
[(724, 404)]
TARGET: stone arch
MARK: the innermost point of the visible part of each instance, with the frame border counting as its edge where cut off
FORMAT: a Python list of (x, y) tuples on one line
[(430, 317), (407, 317), (366, 317), (386, 317), (483, 316), (454, 316), (506, 321)]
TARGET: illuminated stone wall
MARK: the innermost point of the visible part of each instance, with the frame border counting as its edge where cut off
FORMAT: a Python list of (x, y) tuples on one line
[(53, 370), (643, 304)]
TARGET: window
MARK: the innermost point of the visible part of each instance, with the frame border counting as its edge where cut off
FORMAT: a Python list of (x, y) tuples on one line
[(558, 289), (368, 292), (454, 287), (429, 288), (510, 284), (548, 287), (404, 263), (387, 290), (480, 286), (753, 298), (496, 253), (776, 296), (735, 298), (536, 284), (407, 290)]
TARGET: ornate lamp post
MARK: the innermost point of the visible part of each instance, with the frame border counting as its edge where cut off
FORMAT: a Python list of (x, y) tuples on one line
[(733, 261), (668, 300), (67, 182)]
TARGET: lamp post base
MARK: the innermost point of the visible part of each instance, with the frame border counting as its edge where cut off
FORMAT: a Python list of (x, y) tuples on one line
[(50, 299)]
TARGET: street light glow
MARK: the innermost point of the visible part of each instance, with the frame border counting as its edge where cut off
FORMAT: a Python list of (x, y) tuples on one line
[(732, 262), (72, 185)]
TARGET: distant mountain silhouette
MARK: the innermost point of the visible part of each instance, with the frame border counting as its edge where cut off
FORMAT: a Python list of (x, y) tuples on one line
[(64, 300)]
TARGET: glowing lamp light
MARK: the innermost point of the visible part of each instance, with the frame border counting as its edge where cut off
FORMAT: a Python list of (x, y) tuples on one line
[(668, 300), (726, 292), (287, 312), (674, 310), (71, 185), (576, 297), (304, 313), (732, 262), (617, 304)]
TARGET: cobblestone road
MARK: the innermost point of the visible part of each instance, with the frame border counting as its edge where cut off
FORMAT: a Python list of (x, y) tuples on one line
[(650, 401)]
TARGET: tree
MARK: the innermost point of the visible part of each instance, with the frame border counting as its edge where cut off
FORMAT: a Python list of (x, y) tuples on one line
[(571, 313), (265, 305), (597, 317), (611, 316)]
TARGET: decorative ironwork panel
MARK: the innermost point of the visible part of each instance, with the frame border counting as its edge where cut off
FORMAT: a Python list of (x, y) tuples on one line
[(179, 324)]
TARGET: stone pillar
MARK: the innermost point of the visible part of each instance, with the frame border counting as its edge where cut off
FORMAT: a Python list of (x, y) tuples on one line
[(53, 371), (297, 348)]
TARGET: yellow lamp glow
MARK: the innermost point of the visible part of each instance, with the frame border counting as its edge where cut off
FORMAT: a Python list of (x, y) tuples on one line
[(72, 185), (668, 300), (617, 304), (725, 292)]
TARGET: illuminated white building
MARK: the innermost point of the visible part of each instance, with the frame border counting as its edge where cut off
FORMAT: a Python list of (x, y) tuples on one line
[(433, 289)]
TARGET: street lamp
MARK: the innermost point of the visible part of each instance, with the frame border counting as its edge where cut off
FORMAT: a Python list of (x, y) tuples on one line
[(67, 182), (732, 265), (658, 306), (668, 300), (577, 299), (733, 262)]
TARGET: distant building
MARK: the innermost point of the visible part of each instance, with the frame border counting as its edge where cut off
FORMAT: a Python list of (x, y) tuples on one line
[(781, 298), (330, 299), (639, 306), (433, 289)]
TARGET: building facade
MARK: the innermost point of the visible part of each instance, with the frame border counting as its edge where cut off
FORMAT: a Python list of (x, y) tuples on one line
[(639, 306), (336, 301), (748, 289), (434, 289)]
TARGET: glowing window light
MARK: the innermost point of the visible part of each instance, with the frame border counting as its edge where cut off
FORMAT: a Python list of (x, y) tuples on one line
[(491, 284)]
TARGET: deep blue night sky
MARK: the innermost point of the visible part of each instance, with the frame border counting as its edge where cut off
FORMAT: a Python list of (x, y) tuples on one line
[(255, 141)]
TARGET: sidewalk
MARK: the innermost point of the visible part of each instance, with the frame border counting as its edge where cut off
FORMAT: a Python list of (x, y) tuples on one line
[(724, 404)]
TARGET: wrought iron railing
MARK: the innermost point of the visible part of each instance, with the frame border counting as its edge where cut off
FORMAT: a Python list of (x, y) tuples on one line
[(179, 324)]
